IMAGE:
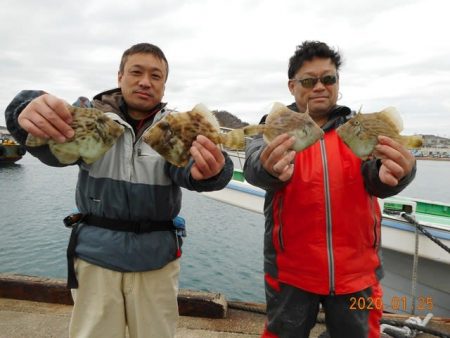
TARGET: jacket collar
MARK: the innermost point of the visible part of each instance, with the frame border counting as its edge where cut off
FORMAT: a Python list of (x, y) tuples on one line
[(112, 100)]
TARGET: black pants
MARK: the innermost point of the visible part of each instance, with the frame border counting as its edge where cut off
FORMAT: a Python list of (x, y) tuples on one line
[(292, 313)]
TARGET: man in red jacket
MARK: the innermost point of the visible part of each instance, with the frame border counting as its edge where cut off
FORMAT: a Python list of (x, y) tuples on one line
[(322, 237)]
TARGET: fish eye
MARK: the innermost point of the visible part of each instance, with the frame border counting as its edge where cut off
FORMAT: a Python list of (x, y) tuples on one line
[(164, 125)]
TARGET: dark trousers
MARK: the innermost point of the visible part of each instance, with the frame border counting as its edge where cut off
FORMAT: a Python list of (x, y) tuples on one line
[(292, 313)]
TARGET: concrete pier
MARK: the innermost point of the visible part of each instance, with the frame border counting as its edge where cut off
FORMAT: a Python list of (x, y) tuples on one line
[(47, 314)]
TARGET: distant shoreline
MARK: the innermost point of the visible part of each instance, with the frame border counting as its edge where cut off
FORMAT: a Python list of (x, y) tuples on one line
[(429, 158)]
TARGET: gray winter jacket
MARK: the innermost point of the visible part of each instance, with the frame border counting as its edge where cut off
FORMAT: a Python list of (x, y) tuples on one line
[(130, 182)]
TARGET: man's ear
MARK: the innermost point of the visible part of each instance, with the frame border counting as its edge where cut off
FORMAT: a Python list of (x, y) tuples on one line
[(119, 78), (291, 85)]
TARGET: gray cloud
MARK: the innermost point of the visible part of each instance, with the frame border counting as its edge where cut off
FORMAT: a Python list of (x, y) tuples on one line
[(233, 56)]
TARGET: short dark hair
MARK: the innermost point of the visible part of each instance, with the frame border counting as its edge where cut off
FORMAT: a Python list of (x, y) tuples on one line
[(145, 48), (309, 50)]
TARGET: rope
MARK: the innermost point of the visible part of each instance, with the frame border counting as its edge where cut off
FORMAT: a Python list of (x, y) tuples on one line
[(424, 231), (414, 273), (247, 307), (255, 308), (415, 327)]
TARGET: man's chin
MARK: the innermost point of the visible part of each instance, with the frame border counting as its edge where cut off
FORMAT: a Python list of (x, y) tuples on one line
[(319, 110), (142, 107)]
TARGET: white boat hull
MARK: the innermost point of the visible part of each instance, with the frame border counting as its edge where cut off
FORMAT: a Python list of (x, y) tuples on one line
[(401, 237), (396, 234)]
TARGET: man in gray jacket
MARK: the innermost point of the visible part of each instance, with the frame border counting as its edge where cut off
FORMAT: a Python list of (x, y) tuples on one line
[(123, 256)]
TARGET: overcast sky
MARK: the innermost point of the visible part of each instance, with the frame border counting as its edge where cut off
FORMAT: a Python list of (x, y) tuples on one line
[(233, 55)]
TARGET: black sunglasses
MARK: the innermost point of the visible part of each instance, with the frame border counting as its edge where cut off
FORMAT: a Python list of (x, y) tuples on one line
[(310, 82)]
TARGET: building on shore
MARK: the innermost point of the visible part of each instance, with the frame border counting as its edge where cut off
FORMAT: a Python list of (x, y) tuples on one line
[(434, 146)]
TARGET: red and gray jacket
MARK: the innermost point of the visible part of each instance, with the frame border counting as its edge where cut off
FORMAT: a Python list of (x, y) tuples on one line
[(323, 225)]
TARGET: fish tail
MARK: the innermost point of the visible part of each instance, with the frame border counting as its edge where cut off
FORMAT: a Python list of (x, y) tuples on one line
[(235, 139), (254, 129), (414, 141)]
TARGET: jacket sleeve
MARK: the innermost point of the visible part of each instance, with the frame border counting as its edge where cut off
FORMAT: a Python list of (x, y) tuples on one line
[(12, 113), (370, 171), (254, 173), (183, 178)]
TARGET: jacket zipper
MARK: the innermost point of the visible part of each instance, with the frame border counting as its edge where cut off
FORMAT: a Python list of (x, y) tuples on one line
[(280, 223), (375, 221), (329, 223), (133, 138), (133, 145)]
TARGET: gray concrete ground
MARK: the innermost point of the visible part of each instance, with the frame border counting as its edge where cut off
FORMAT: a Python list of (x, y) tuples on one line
[(26, 319)]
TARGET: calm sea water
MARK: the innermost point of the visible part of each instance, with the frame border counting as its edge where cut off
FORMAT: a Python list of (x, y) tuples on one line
[(222, 253)]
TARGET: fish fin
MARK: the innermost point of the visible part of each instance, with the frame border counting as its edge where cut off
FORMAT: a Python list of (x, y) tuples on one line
[(277, 106), (392, 114), (88, 160), (201, 108), (34, 141), (66, 153), (413, 141), (210, 117)]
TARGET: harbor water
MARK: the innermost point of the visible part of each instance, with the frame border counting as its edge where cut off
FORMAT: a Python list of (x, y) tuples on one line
[(223, 250)]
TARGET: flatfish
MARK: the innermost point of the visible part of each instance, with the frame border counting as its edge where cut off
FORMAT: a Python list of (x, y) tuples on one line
[(95, 134), (361, 132), (281, 120)]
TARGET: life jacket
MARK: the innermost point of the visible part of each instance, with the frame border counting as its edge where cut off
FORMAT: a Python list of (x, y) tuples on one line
[(326, 227)]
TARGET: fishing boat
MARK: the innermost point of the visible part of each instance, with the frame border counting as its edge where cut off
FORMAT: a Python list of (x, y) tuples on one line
[(417, 269), (10, 150)]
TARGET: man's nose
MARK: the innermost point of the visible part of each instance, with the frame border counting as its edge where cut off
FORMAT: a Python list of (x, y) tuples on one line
[(145, 81), (319, 86)]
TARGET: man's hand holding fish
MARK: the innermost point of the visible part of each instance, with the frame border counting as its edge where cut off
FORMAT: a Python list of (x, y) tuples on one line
[(47, 117), (396, 160), (208, 158), (377, 135), (70, 132), (277, 157)]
